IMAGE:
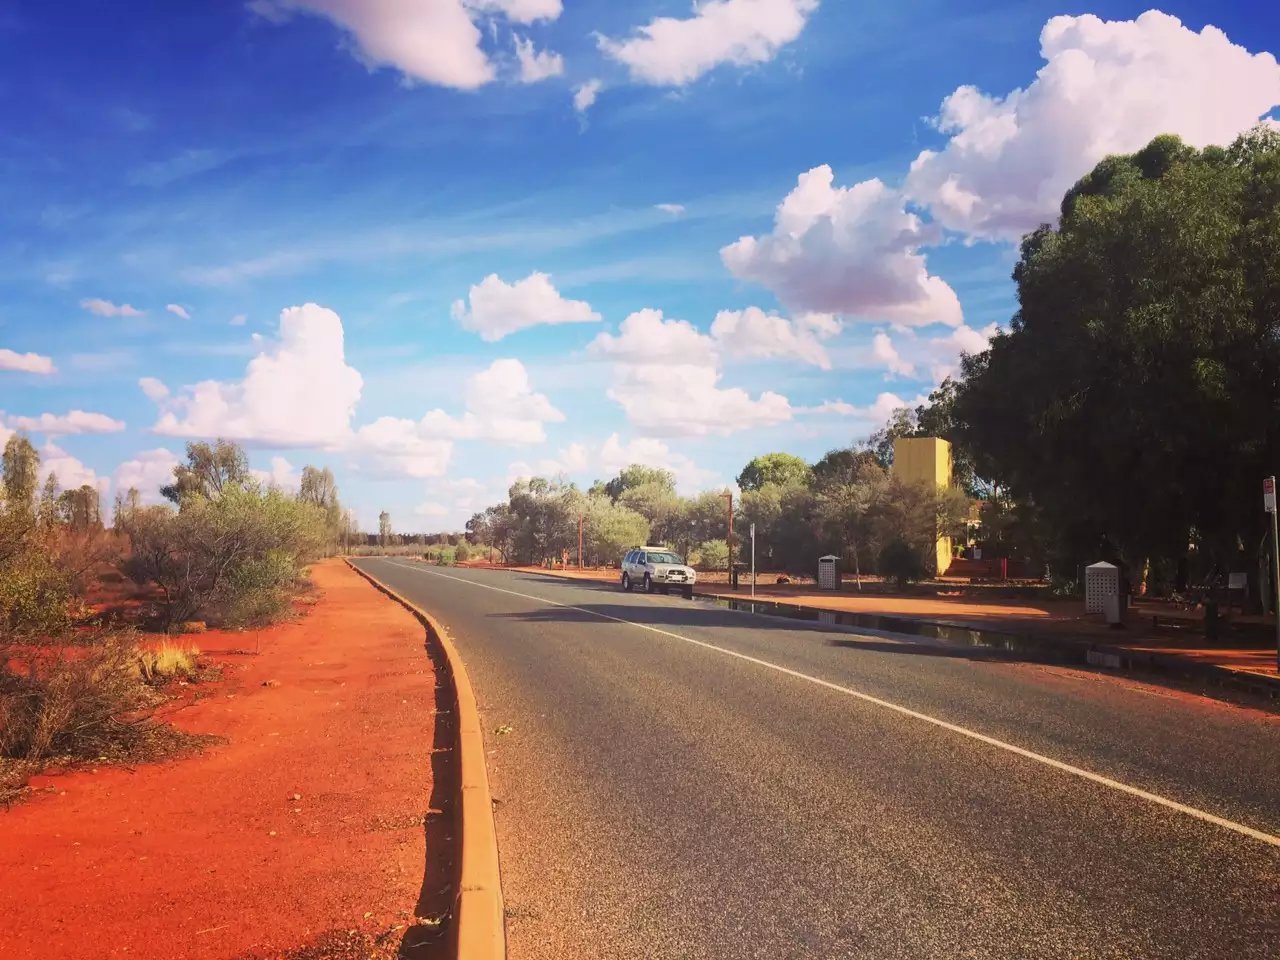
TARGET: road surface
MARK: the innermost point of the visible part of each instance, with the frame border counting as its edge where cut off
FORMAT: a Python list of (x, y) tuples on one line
[(683, 781)]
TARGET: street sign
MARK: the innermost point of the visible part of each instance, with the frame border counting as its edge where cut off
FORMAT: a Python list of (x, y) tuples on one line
[(1269, 494)]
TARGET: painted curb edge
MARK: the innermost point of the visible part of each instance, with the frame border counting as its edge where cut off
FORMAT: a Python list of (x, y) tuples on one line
[(480, 925)]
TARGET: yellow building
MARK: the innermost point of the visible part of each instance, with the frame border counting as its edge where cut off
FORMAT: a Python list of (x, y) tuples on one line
[(926, 460)]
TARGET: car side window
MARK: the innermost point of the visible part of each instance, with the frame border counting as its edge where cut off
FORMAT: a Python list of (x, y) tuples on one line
[(630, 557), (642, 557)]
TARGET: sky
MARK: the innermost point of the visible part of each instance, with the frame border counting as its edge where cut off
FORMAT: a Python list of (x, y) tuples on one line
[(438, 245)]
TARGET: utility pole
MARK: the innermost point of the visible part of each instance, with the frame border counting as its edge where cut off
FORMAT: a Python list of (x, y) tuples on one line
[(579, 541), (753, 561)]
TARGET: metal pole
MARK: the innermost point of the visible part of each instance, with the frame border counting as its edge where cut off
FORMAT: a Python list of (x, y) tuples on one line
[(1275, 552), (753, 561), (579, 541)]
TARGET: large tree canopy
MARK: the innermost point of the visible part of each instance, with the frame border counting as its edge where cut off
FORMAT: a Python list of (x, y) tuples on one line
[(783, 469), (1136, 397)]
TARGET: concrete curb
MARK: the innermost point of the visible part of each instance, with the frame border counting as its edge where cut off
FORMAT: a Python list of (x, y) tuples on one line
[(479, 927), (1063, 649)]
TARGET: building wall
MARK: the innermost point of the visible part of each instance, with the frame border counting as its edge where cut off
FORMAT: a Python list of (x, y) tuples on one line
[(926, 460)]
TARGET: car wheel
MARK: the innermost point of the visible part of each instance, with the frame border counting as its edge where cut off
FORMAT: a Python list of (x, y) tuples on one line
[(626, 583), (648, 584), (688, 593)]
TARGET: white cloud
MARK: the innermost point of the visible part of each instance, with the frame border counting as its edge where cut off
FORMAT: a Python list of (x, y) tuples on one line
[(498, 308), (77, 421), (431, 510), (105, 308), (572, 459), (674, 209), (877, 413), (648, 452), (282, 475), (501, 407), (754, 333), (432, 41), (673, 52), (70, 473), (178, 311), (904, 353), (298, 392), (147, 473), (647, 337), (537, 65), (666, 377), (153, 388), (239, 320), (26, 363), (585, 95), (399, 448), (1107, 87), (884, 353), (851, 251), (521, 11)]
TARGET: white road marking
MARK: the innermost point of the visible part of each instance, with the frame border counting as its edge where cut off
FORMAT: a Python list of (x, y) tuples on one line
[(896, 708)]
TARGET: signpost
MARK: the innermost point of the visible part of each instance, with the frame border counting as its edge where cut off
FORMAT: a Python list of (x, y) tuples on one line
[(753, 561), (1269, 504)]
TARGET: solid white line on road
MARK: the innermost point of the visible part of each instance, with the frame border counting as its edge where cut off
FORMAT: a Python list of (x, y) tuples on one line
[(896, 708)]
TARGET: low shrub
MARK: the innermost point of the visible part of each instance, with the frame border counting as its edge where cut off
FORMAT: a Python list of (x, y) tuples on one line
[(167, 662), (82, 703), (447, 557), (902, 562)]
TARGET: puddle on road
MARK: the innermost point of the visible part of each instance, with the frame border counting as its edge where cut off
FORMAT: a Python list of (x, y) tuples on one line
[(1021, 644)]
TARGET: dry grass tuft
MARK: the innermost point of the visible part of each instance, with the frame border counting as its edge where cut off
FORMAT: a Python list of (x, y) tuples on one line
[(168, 662)]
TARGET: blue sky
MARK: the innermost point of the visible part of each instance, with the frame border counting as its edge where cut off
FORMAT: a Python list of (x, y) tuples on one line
[(174, 179)]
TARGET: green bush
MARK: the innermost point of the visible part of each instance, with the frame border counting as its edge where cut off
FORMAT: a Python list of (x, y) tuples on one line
[(447, 557), (902, 562), (711, 555), (35, 594), (462, 552)]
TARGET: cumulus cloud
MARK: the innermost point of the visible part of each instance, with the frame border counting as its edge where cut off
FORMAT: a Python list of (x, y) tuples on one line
[(26, 363), (877, 413), (670, 51), (282, 475), (905, 353), (673, 209), (178, 311), (521, 11), (537, 65), (431, 41), (400, 448), (147, 473), (298, 392), (666, 378), (648, 452), (69, 472), (647, 337), (498, 308), (572, 459), (852, 251), (585, 95), (105, 308), (501, 407), (1107, 87), (754, 333), (77, 421), (153, 388)]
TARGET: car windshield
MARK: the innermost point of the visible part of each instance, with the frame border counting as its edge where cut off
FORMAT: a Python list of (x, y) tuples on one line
[(664, 558)]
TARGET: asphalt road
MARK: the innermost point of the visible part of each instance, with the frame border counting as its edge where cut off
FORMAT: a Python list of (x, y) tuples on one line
[(683, 781)]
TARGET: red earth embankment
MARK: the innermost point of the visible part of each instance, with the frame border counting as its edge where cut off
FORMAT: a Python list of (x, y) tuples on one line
[(308, 820)]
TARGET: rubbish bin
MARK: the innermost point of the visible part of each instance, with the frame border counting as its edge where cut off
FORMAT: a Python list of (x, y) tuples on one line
[(829, 573)]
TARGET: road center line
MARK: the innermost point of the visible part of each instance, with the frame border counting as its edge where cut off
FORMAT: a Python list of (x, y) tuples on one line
[(1075, 771)]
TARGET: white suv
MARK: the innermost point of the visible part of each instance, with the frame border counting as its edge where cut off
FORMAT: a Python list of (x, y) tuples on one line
[(657, 568)]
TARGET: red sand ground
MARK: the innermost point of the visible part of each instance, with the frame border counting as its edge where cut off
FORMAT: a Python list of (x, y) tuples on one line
[(213, 856)]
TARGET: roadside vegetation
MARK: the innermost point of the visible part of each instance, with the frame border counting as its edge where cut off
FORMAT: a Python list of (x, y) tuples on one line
[(75, 684), (1129, 414)]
